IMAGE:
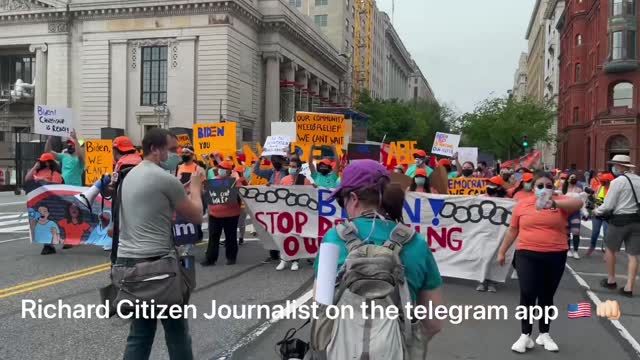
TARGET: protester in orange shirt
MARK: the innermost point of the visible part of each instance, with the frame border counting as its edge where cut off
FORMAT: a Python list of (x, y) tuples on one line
[(294, 177), (523, 189), (541, 253), (46, 169)]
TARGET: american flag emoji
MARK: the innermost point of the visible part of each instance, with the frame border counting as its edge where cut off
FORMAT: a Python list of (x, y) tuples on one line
[(579, 310)]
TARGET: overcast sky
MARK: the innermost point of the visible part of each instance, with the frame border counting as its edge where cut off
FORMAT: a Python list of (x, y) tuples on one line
[(466, 49)]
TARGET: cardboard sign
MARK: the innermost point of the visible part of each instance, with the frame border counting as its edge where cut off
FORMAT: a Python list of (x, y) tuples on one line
[(467, 186), (98, 155), (402, 151), (220, 137), (363, 152), (276, 145), (184, 141), (284, 128), (468, 154), (222, 191), (445, 144), (320, 129), (50, 120)]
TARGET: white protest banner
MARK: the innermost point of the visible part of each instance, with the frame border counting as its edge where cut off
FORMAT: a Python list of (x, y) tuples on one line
[(463, 232), (50, 120), (445, 144), (284, 128), (276, 145), (468, 154)]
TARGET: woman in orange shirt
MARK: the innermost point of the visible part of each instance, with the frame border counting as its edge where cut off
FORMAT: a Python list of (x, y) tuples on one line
[(541, 253), (46, 169), (421, 183)]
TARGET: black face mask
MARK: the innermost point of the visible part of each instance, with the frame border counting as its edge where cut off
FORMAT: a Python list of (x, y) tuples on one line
[(467, 172), (71, 149), (277, 165), (448, 168), (43, 164), (496, 192), (324, 171), (186, 158)]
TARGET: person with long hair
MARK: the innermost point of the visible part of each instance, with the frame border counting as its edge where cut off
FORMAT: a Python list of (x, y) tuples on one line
[(420, 183), (541, 253), (45, 169), (73, 226), (374, 206), (570, 187)]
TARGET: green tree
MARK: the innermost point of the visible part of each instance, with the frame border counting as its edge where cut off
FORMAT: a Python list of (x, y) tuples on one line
[(400, 120), (498, 126)]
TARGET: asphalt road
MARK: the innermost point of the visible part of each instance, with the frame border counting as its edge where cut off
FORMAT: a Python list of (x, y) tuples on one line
[(75, 275)]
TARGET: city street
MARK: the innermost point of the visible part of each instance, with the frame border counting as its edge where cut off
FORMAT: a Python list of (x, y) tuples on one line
[(76, 274)]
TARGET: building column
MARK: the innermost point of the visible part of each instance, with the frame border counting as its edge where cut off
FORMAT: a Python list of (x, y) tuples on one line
[(40, 96), (314, 91), (333, 95), (181, 81), (324, 91), (119, 72), (302, 78), (272, 91), (288, 91)]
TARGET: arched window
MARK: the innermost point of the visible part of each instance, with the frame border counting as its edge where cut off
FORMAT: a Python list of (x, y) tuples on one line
[(578, 40), (622, 95), (578, 72)]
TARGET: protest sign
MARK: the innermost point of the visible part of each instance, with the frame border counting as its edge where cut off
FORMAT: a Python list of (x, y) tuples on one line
[(98, 156), (50, 120), (363, 152), (222, 191), (57, 217), (445, 144), (468, 154), (184, 231), (320, 129), (463, 232), (184, 141), (402, 151), (284, 128), (276, 145), (220, 137), (467, 186)]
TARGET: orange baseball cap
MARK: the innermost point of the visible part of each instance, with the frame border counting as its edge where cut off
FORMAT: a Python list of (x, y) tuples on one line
[(226, 165), (527, 177), (607, 177), (420, 153), (46, 157), (421, 172), (444, 162), (239, 169), (123, 144), (326, 162), (497, 180)]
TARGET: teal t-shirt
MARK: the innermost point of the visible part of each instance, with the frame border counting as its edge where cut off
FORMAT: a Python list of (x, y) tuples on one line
[(453, 175), (421, 269), (72, 169), (411, 171), (330, 181)]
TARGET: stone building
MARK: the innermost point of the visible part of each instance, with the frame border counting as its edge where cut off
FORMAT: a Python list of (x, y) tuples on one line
[(536, 35)]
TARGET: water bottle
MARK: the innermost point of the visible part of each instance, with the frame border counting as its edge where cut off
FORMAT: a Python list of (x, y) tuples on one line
[(543, 197)]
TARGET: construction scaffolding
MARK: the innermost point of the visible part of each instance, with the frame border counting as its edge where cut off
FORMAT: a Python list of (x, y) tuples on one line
[(363, 49)]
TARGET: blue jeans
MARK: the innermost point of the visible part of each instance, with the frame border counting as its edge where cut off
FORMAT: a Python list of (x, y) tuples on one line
[(596, 224), (142, 332)]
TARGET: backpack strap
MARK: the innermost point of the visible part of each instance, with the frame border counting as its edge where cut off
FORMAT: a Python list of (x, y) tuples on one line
[(348, 233), (399, 236)]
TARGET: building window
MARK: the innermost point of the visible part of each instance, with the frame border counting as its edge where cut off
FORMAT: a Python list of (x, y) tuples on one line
[(617, 47), (322, 2), (578, 72), (631, 45), (247, 134), (623, 45), (295, 3), (623, 7), (578, 40), (576, 115), (154, 76), (623, 95), (320, 20)]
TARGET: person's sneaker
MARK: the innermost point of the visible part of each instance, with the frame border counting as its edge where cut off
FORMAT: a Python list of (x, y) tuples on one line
[(240, 241), (481, 287), (207, 263), (546, 341), (514, 275), (576, 255), (295, 266), (254, 233), (282, 265), (524, 342), (47, 250), (606, 284), (268, 260), (491, 288), (570, 254), (626, 293), (67, 247), (590, 251)]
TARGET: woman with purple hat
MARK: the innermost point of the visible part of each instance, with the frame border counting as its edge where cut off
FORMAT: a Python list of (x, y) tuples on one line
[(374, 206)]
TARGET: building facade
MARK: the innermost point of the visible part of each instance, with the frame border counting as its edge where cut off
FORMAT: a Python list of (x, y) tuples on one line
[(536, 36), (519, 91), (599, 78), (113, 62), (419, 88)]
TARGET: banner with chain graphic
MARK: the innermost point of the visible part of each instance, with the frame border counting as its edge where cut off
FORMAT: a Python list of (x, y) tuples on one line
[(463, 232)]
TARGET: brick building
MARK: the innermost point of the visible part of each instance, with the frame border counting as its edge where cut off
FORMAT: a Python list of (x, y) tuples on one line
[(599, 75)]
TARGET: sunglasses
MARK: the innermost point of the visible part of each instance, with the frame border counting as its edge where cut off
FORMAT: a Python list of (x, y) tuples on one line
[(543, 186), (341, 198)]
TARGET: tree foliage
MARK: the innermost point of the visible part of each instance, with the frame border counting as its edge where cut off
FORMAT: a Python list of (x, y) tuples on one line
[(498, 125), (400, 120)]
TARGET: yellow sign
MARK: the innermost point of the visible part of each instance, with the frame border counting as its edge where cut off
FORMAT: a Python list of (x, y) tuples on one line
[(320, 129), (402, 151), (184, 140), (220, 137), (98, 155), (467, 186)]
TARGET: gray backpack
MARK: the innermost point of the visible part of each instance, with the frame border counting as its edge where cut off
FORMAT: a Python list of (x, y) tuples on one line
[(370, 273)]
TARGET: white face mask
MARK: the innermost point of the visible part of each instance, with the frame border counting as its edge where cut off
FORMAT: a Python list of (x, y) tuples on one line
[(419, 161), (223, 172)]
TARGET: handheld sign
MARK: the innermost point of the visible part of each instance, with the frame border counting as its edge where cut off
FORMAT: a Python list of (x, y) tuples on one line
[(184, 140), (222, 191), (184, 231), (402, 151), (363, 152), (445, 144), (49, 120), (276, 145), (467, 186), (98, 159), (219, 137), (320, 129)]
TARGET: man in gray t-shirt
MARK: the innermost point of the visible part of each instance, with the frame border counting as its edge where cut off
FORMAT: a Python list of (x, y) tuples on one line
[(150, 196)]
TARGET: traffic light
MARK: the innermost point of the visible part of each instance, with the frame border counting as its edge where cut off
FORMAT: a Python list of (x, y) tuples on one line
[(525, 142)]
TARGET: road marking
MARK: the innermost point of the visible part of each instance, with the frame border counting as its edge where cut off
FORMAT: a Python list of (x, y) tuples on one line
[(12, 216), (616, 323), (15, 203), (11, 240), (52, 280), (265, 326), (10, 230)]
